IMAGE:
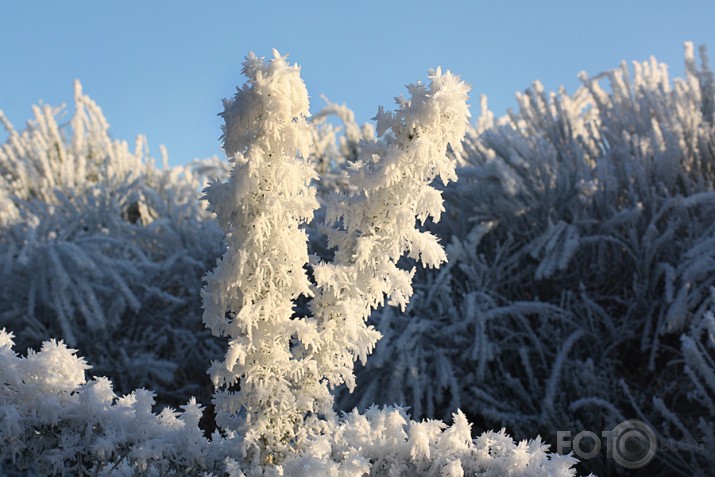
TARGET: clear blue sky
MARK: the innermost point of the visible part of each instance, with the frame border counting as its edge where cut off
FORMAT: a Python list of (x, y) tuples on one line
[(160, 68)]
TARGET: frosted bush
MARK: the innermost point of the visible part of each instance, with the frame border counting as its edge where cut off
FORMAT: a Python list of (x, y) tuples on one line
[(274, 408), (286, 364), (579, 287), (102, 248)]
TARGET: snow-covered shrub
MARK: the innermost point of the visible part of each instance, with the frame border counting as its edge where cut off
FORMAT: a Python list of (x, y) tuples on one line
[(280, 421), (105, 250), (286, 363), (578, 292)]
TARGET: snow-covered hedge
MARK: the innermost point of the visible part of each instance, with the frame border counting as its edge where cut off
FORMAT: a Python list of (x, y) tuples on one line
[(274, 408), (579, 290)]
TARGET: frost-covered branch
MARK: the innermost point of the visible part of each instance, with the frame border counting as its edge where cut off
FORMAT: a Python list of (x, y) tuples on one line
[(250, 295), (284, 365), (375, 226)]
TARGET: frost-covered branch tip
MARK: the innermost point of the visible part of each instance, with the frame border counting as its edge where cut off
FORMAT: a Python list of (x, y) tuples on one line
[(374, 227)]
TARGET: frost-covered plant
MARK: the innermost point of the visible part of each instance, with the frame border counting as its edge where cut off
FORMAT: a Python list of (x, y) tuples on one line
[(102, 248), (286, 364), (54, 422), (385, 442), (250, 295), (580, 274), (280, 421)]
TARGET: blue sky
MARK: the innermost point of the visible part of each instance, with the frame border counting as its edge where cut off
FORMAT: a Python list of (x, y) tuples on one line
[(162, 68)]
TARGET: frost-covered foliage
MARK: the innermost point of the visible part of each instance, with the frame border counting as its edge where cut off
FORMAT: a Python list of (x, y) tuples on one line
[(374, 226), (286, 364), (386, 443), (102, 248), (579, 287), (280, 420), (54, 422)]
